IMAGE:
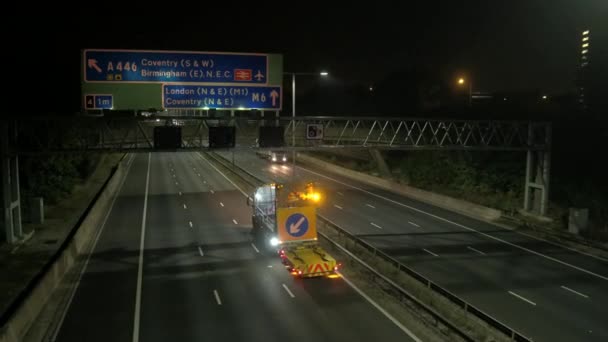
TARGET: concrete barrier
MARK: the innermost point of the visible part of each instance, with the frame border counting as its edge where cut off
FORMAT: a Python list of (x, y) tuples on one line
[(442, 201), (41, 288)]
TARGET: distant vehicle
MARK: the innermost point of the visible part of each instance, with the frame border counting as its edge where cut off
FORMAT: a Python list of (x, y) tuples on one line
[(274, 156)]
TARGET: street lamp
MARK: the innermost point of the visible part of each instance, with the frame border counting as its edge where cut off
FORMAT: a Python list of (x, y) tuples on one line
[(293, 113), (461, 82)]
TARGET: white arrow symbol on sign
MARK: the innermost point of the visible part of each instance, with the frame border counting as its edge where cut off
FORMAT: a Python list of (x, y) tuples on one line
[(294, 228), (274, 95), (93, 64)]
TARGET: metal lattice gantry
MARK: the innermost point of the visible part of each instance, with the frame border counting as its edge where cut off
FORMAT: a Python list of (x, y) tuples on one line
[(35, 135), (41, 135), (399, 133)]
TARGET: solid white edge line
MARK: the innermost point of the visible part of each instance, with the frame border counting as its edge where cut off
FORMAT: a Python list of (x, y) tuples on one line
[(371, 206), (464, 227), (375, 225), (522, 298), (200, 251), (384, 312), (476, 250), (431, 253), (86, 263), (185, 206), (575, 292), (217, 297), (288, 291), (141, 258), (235, 222), (190, 223), (337, 206), (254, 247), (413, 224), (222, 204)]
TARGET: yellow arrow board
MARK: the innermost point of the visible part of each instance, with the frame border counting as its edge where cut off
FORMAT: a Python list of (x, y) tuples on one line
[(297, 223)]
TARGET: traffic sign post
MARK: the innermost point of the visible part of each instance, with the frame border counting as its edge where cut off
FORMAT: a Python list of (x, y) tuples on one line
[(297, 224), (140, 80)]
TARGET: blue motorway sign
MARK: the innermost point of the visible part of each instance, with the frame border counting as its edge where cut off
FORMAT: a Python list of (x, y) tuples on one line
[(221, 97), (96, 101), (126, 66), (296, 225)]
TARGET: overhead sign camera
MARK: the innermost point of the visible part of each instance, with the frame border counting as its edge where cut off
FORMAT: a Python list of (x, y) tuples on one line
[(314, 131)]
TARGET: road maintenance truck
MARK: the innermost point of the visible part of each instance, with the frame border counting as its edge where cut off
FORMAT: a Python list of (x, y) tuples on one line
[(285, 220)]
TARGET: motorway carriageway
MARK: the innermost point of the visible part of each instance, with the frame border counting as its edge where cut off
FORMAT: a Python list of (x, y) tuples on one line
[(175, 261), (544, 291)]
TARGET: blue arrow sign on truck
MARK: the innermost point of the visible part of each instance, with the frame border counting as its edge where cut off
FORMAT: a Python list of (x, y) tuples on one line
[(221, 97), (137, 66)]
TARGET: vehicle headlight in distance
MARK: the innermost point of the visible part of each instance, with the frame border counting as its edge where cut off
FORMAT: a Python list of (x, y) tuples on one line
[(284, 158), (274, 158), (274, 241)]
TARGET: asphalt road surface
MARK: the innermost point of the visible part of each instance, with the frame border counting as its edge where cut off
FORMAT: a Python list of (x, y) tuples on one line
[(175, 261), (544, 291)]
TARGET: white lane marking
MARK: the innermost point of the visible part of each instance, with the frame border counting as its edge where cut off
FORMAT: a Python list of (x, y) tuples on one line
[(522, 298), (233, 220), (371, 206), (199, 174), (464, 227), (190, 224), (180, 193), (176, 183), (86, 263), (384, 312), (223, 175), (288, 291), (341, 194), (269, 266), (375, 225), (205, 182), (141, 258), (222, 204), (173, 175), (413, 224), (194, 168), (431, 253), (185, 206), (217, 297), (212, 192), (337, 206), (200, 251), (575, 292), (476, 250), (254, 247)]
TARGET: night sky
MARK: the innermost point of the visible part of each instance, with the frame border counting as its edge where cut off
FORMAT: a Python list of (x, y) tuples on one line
[(502, 45)]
